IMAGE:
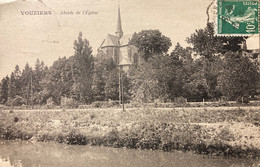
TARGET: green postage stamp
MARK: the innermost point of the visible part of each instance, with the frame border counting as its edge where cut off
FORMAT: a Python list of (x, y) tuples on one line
[(237, 17)]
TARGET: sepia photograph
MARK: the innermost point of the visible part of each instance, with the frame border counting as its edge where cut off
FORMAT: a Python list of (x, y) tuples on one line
[(129, 83)]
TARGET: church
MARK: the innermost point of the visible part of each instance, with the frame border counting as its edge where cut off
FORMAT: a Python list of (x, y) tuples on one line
[(117, 46)]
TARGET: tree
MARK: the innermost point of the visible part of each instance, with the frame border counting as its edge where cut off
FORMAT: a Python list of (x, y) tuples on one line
[(210, 47), (102, 67), (57, 82), (4, 90), (207, 44), (150, 42), (194, 84), (239, 76), (17, 80), (17, 72), (98, 87), (112, 85), (11, 87), (181, 54), (83, 70), (151, 80), (38, 75), (26, 83)]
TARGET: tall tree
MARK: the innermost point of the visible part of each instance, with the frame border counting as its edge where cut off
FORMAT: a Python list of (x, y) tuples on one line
[(151, 80), (112, 85), (98, 86), (207, 44), (4, 90), (83, 68), (239, 76), (180, 53), (150, 42), (17, 80), (26, 83), (55, 83), (39, 73), (11, 87), (210, 46)]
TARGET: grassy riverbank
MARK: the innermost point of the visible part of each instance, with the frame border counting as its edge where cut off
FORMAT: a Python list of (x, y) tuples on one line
[(214, 131)]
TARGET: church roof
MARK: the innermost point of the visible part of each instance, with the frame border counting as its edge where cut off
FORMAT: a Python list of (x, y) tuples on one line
[(111, 40), (124, 40)]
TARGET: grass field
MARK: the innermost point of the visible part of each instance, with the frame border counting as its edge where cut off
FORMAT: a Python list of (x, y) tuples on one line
[(228, 131)]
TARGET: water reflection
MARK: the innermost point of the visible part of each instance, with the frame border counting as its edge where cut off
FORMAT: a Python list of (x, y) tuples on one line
[(27, 154)]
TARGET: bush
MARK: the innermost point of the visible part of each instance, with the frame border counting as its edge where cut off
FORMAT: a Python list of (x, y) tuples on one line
[(17, 101), (69, 103), (243, 99), (112, 103), (76, 138), (16, 119), (180, 100), (105, 104), (84, 106), (97, 104)]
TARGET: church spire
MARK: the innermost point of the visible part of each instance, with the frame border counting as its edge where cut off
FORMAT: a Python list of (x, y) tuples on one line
[(119, 31)]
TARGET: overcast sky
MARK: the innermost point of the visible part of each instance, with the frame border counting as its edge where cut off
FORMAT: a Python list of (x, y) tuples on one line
[(24, 38)]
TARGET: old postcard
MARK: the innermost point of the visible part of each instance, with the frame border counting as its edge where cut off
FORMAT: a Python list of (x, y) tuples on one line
[(129, 83)]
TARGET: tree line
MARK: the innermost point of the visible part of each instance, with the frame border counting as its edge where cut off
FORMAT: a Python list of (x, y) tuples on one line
[(220, 71)]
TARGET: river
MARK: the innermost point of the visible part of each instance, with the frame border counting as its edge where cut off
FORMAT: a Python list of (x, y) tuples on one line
[(50, 154)]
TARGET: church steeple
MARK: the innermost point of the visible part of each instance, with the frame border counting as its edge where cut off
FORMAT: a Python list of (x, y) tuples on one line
[(119, 31)]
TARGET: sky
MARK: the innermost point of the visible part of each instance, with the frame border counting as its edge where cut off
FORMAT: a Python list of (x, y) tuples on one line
[(26, 38)]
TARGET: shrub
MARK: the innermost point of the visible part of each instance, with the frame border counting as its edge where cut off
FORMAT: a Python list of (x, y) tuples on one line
[(180, 100), (16, 119), (69, 103), (105, 104), (84, 106), (112, 103), (17, 101), (243, 99), (97, 104), (92, 116), (76, 138)]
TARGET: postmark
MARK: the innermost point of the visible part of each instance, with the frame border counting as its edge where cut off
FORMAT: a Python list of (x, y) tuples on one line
[(237, 17)]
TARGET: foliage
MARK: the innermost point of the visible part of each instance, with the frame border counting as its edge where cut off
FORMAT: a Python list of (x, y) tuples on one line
[(12, 91), (145, 82), (75, 138), (4, 90), (104, 79), (69, 103), (210, 47), (203, 131), (98, 86), (207, 44), (26, 84), (181, 54), (16, 101), (57, 81), (150, 42), (112, 85), (239, 76), (83, 79), (83, 68)]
